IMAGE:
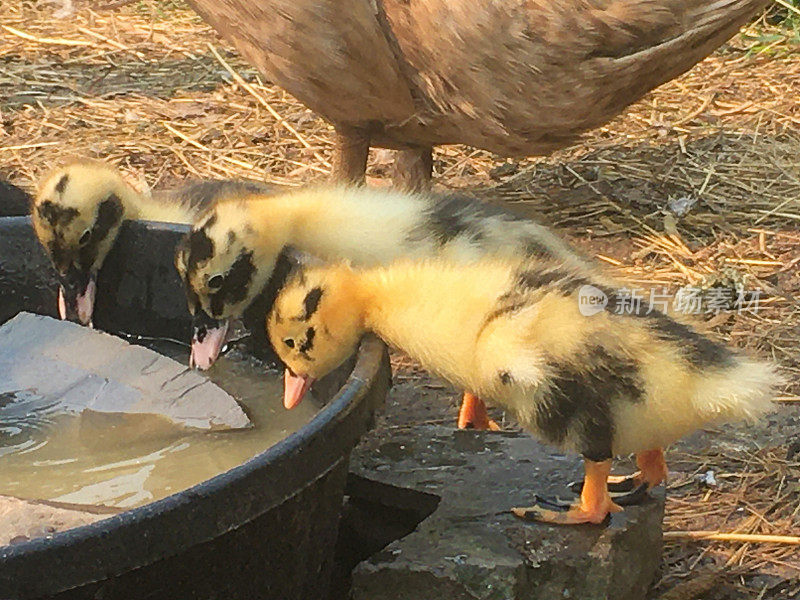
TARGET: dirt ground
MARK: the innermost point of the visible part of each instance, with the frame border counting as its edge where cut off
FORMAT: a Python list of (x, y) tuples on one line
[(696, 185)]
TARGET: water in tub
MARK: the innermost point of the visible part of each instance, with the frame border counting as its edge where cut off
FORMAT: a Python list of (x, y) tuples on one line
[(126, 460)]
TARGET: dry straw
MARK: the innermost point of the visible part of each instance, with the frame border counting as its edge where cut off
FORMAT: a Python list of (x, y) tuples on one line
[(148, 86)]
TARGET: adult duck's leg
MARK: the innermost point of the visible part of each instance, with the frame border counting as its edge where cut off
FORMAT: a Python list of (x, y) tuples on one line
[(413, 169), (350, 155), (473, 414), (594, 506)]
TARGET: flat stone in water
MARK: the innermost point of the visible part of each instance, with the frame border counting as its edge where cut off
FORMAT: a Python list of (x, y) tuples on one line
[(471, 547), (24, 520), (64, 367)]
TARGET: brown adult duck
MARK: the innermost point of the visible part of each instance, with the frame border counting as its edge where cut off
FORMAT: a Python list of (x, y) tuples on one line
[(516, 77)]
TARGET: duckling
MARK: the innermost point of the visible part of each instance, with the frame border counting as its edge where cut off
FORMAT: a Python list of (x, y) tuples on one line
[(77, 213), (513, 332), (232, 249)]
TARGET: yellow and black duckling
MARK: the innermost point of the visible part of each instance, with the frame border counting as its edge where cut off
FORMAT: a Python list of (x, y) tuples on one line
[(514, 333), (232, 250), (79, 209)]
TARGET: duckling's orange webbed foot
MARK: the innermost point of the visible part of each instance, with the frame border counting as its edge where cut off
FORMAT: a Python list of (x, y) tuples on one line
[(473, 414), (594, 506)]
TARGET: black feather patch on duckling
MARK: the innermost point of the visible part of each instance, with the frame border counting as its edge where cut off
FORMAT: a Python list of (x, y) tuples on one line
[(62, 184), (523, 291), (109, 215), (308, 343), (454, 215), (450, 218), (201, 248), (700, 352), (200, 194), (579, 397), (565, 282), (56, 215), (311, 303), (535, 248), (235, 283)]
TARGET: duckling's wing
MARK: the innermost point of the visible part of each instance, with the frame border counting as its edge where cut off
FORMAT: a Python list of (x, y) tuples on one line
[(201, 194)]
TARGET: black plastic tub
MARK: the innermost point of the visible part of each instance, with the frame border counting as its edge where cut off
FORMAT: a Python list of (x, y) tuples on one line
[(266, 529), (14, 201)]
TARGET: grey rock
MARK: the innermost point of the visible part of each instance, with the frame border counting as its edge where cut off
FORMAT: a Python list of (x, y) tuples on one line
[(472, 548), (62, 367)]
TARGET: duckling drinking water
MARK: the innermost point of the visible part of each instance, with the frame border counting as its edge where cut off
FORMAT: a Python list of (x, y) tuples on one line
[(79, 209), (232, 250), (513, 332)]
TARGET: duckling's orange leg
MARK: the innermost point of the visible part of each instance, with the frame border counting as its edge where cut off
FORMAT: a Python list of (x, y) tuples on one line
[(473, 414), (652, 467), (594, 506), (652, 471)]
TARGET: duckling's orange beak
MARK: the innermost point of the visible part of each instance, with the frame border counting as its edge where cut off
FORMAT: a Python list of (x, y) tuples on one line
[(294, 388)]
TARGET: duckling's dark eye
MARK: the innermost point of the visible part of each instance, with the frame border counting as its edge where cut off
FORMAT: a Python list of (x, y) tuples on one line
[(85, 238), (289, 342), (215, 282)]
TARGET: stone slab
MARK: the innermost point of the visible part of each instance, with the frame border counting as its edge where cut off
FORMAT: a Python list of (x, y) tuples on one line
[(472, 548), (57, 366), (24, 520)]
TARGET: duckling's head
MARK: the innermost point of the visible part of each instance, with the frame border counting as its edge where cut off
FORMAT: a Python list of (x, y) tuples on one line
[(315, 324), (76, 215), (224, 264)]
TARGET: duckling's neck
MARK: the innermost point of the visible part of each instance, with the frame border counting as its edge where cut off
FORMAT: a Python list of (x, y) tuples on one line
[(145, 207), (434, 314), (363, 225), (275, 220)]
